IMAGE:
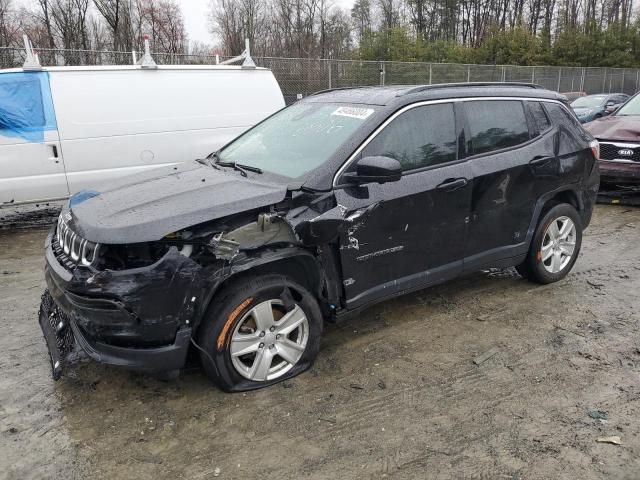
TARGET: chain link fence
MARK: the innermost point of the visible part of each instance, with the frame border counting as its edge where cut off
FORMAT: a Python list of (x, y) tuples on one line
[(301, 76)]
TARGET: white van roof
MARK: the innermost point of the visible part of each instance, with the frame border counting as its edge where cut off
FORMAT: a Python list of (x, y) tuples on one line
[(111, 68)]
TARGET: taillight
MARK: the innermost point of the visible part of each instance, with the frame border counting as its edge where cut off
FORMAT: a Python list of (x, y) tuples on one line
[(595, 149)]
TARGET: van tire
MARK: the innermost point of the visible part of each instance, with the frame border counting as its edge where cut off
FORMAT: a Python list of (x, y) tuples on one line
[(235, 310), (537, 269)]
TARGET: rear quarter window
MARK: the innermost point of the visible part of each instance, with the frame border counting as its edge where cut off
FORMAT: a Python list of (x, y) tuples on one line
[(540, 119), (560, 117), (496, 124)]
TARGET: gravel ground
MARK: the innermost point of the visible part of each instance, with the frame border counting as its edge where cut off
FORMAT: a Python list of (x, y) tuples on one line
[(395, 392)]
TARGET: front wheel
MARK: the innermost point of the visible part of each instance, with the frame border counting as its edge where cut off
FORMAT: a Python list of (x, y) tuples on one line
[(259, 332), (555, 246)]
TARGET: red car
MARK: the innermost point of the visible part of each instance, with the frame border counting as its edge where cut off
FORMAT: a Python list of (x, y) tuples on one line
[(619, 137)]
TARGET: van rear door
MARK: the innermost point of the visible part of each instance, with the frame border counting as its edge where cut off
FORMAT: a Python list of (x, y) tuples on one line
[(31, 164)]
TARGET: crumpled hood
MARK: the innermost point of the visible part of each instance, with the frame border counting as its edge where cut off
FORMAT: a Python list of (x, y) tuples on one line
[(148, 206), (614, 127)]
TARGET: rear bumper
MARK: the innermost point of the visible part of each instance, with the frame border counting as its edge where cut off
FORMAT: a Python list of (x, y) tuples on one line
[(620, 172)]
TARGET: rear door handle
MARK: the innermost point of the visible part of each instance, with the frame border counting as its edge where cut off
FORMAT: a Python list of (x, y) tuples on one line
[(540, 161), (452, 184)]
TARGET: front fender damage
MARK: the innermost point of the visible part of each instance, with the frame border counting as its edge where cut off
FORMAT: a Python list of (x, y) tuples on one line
[(310, 228)]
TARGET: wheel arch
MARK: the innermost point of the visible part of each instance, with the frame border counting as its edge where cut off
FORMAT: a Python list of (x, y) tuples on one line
[(296, 263), (566, 194)]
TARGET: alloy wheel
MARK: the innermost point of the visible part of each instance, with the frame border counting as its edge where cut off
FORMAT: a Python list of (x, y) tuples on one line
[(268, 341), (558, 244)]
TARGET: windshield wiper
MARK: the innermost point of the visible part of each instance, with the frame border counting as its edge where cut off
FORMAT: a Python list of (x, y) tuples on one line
[(207, 161), (243, 169)]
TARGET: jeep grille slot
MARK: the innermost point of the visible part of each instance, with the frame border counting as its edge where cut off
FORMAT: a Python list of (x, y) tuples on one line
[(71, 249)]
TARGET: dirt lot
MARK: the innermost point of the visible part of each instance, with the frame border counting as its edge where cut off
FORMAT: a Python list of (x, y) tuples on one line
[(395, 392)]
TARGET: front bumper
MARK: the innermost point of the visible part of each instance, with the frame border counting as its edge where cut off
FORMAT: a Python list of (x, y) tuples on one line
[(62, 334), (622, 173), (139, 319)]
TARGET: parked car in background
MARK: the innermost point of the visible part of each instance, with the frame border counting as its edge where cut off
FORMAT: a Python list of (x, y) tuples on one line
[(344, 199), (571, 96), (619, 137), (64, 129), (592, 107)]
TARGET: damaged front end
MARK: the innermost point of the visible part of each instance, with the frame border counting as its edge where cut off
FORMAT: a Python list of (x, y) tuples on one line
[(126, 307), (139, 305)]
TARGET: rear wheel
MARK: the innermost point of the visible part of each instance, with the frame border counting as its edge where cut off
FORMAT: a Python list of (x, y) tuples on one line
[(555, 246), (260, 332)]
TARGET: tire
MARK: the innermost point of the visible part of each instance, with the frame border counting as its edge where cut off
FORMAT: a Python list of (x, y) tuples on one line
[(538, 266), (233, 324)]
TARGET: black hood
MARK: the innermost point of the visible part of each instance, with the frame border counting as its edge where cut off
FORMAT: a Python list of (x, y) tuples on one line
[(148, 206)]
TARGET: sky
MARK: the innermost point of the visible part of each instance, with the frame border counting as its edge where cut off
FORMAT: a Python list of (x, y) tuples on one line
[(196, 17)]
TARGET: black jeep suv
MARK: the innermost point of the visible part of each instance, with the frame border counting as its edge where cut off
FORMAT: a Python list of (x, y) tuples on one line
[(344, 199)]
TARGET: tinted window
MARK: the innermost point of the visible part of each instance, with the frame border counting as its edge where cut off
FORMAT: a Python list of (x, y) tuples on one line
[(496, 124), (539, 116), (559, 115), (420, 137)]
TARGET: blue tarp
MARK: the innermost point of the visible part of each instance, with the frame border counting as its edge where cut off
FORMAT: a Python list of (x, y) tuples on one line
[(26, 106)]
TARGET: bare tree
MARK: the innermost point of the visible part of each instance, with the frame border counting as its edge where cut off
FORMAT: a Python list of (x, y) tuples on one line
[(117, 15)]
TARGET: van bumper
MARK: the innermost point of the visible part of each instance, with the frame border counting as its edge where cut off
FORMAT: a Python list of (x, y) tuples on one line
[(128, 330)]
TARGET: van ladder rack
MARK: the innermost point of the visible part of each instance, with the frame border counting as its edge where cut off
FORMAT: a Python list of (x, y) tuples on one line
[(146, 62), (31, 61), (245, 56)]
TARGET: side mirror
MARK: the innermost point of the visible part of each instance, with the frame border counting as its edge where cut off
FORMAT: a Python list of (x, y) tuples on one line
[(375, 170)]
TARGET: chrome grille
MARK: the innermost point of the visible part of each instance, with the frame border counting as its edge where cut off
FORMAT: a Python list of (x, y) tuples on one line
[(620, 151), (71, 248)]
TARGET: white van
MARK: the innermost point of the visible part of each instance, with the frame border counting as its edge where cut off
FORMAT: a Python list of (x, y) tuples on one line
[(65, 129)]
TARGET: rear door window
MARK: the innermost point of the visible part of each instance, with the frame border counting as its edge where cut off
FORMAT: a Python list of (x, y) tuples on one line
[(418, 138), (496, 124)]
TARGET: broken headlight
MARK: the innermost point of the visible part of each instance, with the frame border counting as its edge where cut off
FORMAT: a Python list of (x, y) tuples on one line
[(136, 255)]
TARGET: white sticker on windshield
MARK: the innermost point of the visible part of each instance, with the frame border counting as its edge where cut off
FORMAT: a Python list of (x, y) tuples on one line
[(353, 112)]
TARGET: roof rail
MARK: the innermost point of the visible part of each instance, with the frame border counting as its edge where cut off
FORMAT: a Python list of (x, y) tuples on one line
[(436, 86), (337, 89), (420, 88)]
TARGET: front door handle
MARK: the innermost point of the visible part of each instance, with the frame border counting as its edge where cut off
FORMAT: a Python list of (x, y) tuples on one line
[(452, 184), (54, 152), (540, 161)]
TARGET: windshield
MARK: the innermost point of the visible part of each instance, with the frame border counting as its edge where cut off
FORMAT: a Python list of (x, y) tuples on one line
[(297, 139), (590, 101), (632, 107)]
